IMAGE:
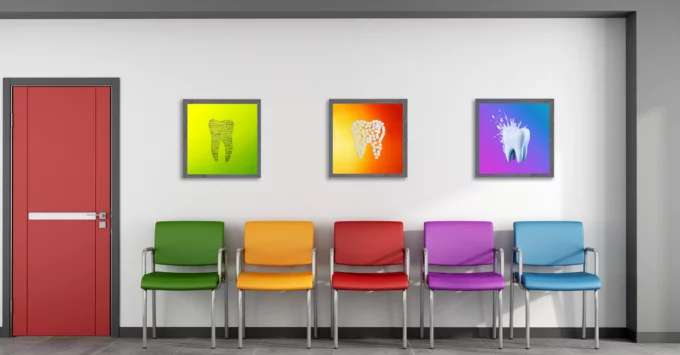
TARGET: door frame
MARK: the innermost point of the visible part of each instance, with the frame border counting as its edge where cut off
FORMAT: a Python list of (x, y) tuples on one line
[(7, 84)]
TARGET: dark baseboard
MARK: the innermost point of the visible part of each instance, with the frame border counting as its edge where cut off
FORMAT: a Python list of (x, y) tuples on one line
[(631, 335), (657, 337), (368, 332)]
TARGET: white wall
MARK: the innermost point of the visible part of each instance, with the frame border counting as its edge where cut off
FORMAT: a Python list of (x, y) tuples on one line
[(295, 66)]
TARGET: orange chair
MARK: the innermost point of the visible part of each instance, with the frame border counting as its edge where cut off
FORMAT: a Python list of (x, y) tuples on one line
[(277, 244)]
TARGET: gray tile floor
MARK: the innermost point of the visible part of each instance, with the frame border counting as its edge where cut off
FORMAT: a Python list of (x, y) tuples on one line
[(128, 346)]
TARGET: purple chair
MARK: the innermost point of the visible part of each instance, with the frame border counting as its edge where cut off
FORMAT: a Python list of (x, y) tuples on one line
[(461, 244)]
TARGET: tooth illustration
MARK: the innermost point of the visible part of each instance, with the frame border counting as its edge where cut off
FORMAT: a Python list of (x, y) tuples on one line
[(220, 132), (516, 143), (365, 133)]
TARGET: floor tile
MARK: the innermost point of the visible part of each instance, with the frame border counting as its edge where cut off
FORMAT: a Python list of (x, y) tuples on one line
[(371, 347), (533, 350), (222, 346), (453, 351), (13, 345), (660, 349), (449, 346), (518, 346), (59, 350), (370, 343), (587, 346), (196, 350), (68, 346), (155, 342), (317, 344), (133, 346), (224, 343), (370, 351), (291, 351)]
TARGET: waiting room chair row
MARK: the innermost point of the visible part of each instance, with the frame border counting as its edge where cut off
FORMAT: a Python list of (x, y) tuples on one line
[(371, 243)]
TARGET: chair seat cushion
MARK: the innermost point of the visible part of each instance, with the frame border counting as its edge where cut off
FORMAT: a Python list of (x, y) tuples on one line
[(479, 281), (177, 281), (263, 281), (568, 281), (388, 281)]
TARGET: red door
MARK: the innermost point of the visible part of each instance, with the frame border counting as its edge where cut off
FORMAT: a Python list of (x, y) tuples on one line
[(61, 185)]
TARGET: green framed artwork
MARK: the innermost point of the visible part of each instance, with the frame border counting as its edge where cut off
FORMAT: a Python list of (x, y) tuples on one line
[(221, 138)]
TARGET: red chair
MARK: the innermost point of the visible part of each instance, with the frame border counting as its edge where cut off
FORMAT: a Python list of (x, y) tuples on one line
[(368, 244)]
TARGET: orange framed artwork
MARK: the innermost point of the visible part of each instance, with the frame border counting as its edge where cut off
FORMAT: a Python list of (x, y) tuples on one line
[(368, 138)]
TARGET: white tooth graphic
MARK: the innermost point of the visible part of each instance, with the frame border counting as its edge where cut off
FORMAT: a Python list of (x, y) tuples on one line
[(516, 143), (220, 132), (365, 133)]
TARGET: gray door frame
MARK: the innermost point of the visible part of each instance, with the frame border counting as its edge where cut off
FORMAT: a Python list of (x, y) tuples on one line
[(7, 85)]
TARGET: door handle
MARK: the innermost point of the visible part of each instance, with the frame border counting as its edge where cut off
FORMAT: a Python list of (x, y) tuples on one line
[(66, 216), (102, 218)]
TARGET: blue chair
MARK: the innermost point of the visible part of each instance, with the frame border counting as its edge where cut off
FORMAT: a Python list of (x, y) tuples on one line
[(552, 244)]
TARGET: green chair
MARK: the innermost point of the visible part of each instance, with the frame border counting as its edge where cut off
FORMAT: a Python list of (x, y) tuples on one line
[(191, 243)]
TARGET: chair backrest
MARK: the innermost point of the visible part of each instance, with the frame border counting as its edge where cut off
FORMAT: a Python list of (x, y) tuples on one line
[(365, 243), (188, 243), (464, 243), (550, 243), (278, 243)]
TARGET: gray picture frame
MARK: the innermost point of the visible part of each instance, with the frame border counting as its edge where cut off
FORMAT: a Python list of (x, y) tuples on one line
[(404, 118), (185, 117), (551, 102)]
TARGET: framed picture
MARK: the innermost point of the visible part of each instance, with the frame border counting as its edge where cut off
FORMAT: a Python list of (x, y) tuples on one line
[(221, 138), (367, 138), (515, 137)]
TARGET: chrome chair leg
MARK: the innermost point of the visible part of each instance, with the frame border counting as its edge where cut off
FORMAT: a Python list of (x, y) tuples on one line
[(422, 309), (512, 309), (500, 319), (431, 319), (309, 319), (528, 318), (144, 322), (226, 310), (495, 313), (583, 319), (153, 314), (244, 315), (332, 327), (405, 312), (240, 319), (335, 319), (212, 320), (597, 319), (316, 312)]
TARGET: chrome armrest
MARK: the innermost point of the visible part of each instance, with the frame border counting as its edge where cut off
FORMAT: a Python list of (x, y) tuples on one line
[(501, 260), (332, 267), (151, 250), (519, 262), (407, 264), (597, 256), (313, 267), (222, 274), (239, 261), (425, 265)]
